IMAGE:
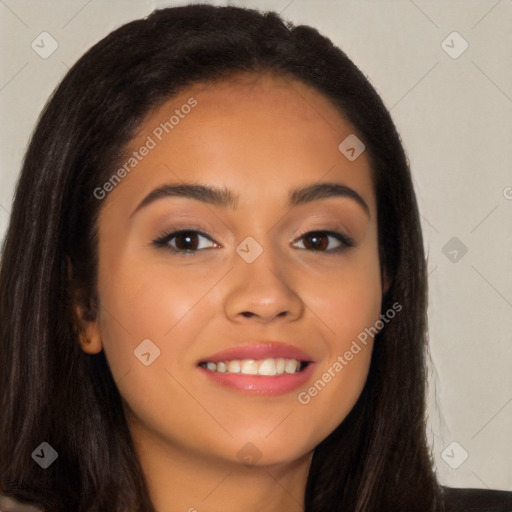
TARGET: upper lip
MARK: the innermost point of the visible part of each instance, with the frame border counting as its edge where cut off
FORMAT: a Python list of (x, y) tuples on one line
[(259, 350)]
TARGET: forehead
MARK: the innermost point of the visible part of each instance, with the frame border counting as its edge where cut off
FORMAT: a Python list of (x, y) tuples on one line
[(252, 133)]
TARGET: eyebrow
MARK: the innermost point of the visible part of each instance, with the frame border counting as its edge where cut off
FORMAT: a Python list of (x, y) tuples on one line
[(225, 198)]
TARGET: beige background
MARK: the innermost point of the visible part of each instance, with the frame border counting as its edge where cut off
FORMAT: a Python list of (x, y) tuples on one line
[(454, 116)]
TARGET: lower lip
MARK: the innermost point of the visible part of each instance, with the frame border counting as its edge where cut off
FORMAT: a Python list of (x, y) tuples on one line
[(261, 384)]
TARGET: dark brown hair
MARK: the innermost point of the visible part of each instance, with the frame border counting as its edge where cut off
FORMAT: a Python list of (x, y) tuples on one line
[(377, 459)]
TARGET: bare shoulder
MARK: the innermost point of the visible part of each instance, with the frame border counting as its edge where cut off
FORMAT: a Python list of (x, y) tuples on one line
[(477, 500), (9, 504)]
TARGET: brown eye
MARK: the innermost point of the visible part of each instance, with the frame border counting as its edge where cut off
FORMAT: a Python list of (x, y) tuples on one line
[(184, 241), (318, 241)]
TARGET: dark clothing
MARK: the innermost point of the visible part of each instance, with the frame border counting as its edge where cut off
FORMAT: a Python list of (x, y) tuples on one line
[(477, 500), (456, 500)]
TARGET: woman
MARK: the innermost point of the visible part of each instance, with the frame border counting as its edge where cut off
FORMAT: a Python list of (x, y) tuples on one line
[(215, 271)]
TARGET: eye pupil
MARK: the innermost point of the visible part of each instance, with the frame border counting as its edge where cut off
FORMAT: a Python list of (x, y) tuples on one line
[(186, 235), (316, 244)]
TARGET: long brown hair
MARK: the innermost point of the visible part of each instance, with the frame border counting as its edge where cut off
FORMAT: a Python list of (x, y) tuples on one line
[(377, 459)]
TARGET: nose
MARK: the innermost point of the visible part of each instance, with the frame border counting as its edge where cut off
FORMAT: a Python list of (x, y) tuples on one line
[(263, 291)]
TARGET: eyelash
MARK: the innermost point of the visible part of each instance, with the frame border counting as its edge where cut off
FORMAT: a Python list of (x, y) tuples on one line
[(163, 240)]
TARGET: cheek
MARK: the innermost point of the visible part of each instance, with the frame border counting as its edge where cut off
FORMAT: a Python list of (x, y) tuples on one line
[(141, 302), (348, 303), (347, 300), (169, 307), (349, 308)]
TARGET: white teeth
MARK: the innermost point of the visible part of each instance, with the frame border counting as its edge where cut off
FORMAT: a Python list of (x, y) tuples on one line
[(267, 367), (249, 367), (291, 366), (233, 367)]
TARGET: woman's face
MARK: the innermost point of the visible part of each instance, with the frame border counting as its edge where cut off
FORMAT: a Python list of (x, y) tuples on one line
[(253, 289)]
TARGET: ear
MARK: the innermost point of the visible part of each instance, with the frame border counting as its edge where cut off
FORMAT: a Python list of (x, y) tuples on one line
[(85, 317)]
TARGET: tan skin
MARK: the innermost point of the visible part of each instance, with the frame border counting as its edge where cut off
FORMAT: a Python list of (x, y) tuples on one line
[(260, 136)]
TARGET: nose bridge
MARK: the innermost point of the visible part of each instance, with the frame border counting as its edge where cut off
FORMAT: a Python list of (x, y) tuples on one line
[(263, 284), (263, 249)]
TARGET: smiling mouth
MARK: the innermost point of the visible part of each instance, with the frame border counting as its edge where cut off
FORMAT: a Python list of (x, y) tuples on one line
[(268, 367)]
